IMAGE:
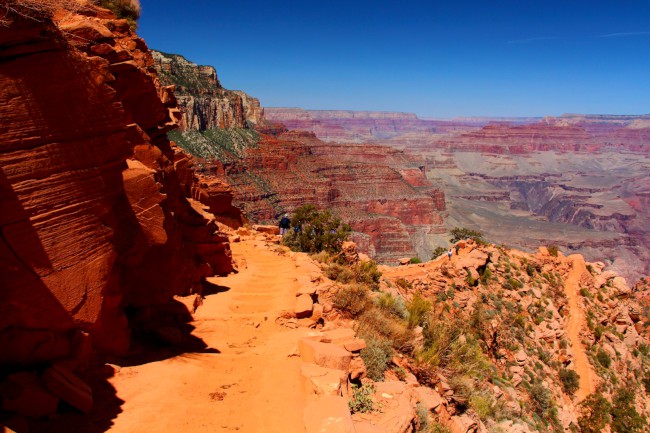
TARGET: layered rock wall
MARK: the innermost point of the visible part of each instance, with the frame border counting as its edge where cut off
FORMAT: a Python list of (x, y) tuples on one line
[(204, 103), (94, 219)]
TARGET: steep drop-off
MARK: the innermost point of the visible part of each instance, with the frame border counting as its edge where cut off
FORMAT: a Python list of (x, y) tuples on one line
[(96, 233), (204, 103)]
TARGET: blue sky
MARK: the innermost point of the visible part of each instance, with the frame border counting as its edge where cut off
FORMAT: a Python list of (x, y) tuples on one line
[(463, 58)]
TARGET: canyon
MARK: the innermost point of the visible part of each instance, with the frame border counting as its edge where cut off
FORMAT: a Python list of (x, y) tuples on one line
[(578, 181), (138, 295)]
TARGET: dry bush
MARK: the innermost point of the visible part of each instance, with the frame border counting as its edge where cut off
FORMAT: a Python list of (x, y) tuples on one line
[(34, 9)]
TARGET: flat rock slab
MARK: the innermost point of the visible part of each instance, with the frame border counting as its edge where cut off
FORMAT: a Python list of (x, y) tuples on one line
[(328, 414), (428, 398), (324, 354), (323, 381), (339, 335)]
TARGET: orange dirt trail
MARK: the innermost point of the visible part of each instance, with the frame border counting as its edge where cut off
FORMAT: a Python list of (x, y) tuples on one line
[(576, 320), (252, 385)]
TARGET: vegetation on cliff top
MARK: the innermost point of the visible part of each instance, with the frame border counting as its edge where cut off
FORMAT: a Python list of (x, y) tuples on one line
[(225, 145), (126, 9)]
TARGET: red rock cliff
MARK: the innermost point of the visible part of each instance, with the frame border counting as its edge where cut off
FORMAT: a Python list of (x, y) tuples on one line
[(204, 103), (94, 221)]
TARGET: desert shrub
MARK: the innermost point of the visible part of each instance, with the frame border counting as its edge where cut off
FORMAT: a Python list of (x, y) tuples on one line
[(34, 9), (352, 300), (403, 283), (418, 310), (486, 275), (603, 358), (320, 231), (423, 417), (127, 9), (415, 260), (461, 233), (570, 380), (361, 400), (367, 273), (543, 405), (585, 292), (594, 414), (463, 387), (625, 418), (483, 404), (553, 250), (591, 269), (530, 269), (436, 427), (374, 322), (376, 355), (392, 305), (439, 251), (450, 346)]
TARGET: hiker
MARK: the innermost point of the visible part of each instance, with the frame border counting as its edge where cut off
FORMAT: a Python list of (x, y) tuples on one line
[(297, 229), (457, 247), (449, 253), (285, 224)]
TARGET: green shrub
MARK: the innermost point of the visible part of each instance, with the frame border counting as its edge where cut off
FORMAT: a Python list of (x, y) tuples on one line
[(127, 9), (423, 417), (436, 427), (570, 380), (376, 355), (594, 414), (320, 231), (361, 400), (603, 358), (553, 250), (439, 251), (392, 305), (461, 233), (625, 418), (483, 404), (352, 300), (418, 310), (415, 260), (376, 323)]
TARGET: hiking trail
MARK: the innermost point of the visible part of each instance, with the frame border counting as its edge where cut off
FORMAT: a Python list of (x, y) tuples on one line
[(253, 384), (575, 321)]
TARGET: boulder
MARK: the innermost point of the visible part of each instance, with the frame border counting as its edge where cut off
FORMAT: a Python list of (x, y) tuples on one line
[(324, 354), (463, 424), (428, 398), (304, 306), (357, 368), (63, 383), (328, 414), (24, 394), (270, 230)]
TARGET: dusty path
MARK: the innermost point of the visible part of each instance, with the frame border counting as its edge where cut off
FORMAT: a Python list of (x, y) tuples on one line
[(576, 319), (252, 385)]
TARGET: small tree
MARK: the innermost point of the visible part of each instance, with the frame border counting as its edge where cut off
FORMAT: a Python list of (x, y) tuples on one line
[(570, 380), (318, 231), (625, 418), (461, 233), (594, 414)]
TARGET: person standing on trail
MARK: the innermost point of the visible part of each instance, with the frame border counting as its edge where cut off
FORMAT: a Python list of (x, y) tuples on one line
[(285, 224), (457, 247), (449, 253)]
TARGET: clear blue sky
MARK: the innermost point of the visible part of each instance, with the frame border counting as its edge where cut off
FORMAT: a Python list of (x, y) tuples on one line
[(457, 58)]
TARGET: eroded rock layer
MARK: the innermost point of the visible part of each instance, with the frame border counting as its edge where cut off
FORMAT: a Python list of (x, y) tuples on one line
[(94, 217), (203, 101)]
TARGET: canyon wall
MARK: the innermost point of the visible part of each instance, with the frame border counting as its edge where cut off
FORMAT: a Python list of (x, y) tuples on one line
[(203, 102), (96, 232)]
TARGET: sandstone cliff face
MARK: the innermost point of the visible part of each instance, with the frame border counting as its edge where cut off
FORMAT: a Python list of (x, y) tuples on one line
[(203, 102), (94, 219)]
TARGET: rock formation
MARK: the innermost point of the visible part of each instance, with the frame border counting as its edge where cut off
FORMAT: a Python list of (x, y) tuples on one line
[(204, 103), (96, 230)]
